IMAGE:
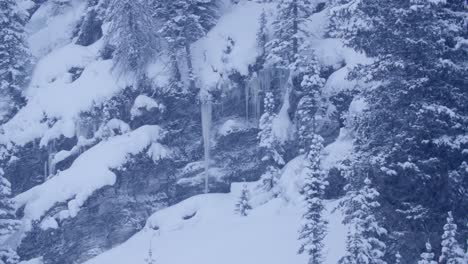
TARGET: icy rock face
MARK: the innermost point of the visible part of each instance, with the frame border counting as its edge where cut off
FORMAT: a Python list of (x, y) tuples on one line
[(115, 213), (108, 218), (31, 170)]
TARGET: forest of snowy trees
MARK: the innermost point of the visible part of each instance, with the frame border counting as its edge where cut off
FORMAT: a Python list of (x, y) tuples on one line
[(403, 190)]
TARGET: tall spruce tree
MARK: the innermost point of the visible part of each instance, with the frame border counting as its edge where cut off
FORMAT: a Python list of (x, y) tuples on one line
[(314, 227), (451, 253), (364, 243), (243, 205), (15, 58), (428, 256), (416, 116), (309, 92), (184, 22), (8, 222), (132, 33), (288, 32), (270, 146), (262, 34)]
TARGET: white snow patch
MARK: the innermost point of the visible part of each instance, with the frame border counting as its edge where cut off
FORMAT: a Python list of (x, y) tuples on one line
[(214, 174), (240, 24), (88, 173), (157, 151), (144, 102), (282, 125), (60, 99), (48, 223), (232, 126), (207, 230), (32, 261), (338, 151), (50, 28)]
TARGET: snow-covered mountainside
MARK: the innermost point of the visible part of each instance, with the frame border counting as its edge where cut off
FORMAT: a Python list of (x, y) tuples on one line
[(233, 131)]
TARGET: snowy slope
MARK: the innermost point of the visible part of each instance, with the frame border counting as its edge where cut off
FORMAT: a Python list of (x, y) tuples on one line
[(55, 96), (205, 229)]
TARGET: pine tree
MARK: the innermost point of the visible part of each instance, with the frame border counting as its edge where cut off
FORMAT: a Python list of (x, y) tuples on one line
[(310, 93), (416, 106), (314, 226), (451, 253), (428, 256), (184, 22), (288, 35), (262, 34), (269, 145), (8, 222), (363, 244), (243, 205), (15, 58), (132, 33)]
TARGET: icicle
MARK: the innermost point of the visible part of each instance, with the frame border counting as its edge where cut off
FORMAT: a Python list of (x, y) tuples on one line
[(247, 93), (46, 172), (253, 96), (206, 126), (51, 164)]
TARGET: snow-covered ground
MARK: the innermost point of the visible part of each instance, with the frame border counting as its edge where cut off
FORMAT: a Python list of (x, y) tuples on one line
[(205, 229)]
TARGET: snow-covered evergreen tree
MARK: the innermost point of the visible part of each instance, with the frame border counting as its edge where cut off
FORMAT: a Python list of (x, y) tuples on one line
[(262, 34), (15, 59), (270, 146), (8, 222), (243, 205), (314, 227), (416, 107), (364, 243), (428, 256), (288, 34), (310, 93), (184, 22), (451, 253), (133, 35)]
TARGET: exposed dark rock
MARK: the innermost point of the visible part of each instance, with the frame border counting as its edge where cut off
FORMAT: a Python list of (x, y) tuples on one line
[(90, 30)]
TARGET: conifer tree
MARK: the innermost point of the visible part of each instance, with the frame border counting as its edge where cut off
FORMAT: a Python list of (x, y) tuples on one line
[(416, 110), (132, 33), (288, 34), (314, 225), (310, 93), (243, 205), (451, 253), (8, 222), (15, 59), (262, 34), (428, 256), (184, 22), (364, 241), (269, 145)]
